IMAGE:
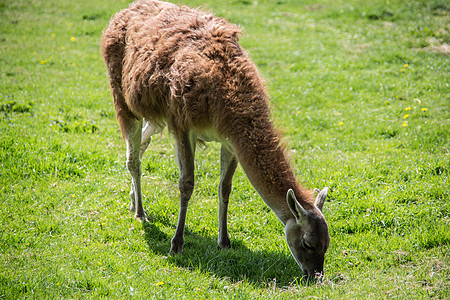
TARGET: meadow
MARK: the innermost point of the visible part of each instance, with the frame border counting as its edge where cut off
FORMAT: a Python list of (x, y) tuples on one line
[(360, 90)]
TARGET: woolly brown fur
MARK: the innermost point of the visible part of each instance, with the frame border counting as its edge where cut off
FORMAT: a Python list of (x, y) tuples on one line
[(184, 67)]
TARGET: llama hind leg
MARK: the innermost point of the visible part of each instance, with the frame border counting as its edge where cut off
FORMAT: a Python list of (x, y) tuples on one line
[(148, 131), (133, 139), (228, 164), (131, 128)]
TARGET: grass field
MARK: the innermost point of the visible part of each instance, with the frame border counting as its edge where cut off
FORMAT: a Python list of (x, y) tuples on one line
[(361, 92)]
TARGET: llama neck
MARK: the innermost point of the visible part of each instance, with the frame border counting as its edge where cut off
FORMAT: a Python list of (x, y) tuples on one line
[(263, 159), (245, 122)]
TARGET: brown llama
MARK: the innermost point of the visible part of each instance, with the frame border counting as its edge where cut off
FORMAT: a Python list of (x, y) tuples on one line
[(184, 68)]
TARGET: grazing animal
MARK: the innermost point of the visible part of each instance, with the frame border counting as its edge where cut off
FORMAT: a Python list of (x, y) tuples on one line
[(184, 68)]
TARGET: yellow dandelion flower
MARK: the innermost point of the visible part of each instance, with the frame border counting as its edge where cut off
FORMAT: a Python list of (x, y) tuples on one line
[(43, 62), (73, 39), (405, 116), (407, 108), (424, 109), (402, 70), (405, 66), (341, 123), (159, 283), (404, 124)]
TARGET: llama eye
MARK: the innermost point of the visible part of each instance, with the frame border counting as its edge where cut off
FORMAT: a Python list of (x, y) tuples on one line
[(306, 246)]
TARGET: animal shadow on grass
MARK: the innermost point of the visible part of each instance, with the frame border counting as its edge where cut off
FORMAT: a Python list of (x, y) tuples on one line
[(201, 252)]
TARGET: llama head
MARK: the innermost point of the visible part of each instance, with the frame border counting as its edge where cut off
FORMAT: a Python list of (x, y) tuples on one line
[(307, 236)]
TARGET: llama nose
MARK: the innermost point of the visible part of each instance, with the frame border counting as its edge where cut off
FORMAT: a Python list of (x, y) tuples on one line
[(315, 276)]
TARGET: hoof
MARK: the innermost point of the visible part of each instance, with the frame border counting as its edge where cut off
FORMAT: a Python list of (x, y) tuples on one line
[(143, 218), (224, 244), (175, 250), (176, 247)]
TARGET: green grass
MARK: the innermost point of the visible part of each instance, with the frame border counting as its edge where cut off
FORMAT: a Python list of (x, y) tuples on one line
[(360, 90)]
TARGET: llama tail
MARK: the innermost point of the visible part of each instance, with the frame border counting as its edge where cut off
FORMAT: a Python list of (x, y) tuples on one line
[(113, 48)]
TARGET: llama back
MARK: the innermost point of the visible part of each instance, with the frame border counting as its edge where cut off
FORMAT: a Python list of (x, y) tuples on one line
[(179, 65)]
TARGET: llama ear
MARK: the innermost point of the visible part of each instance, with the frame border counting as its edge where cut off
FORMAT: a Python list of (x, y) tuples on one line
[(321, 197), (296, 208)]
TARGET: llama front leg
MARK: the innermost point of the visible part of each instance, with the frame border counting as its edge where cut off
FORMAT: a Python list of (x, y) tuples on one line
[(185, 158), (228, 164)]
